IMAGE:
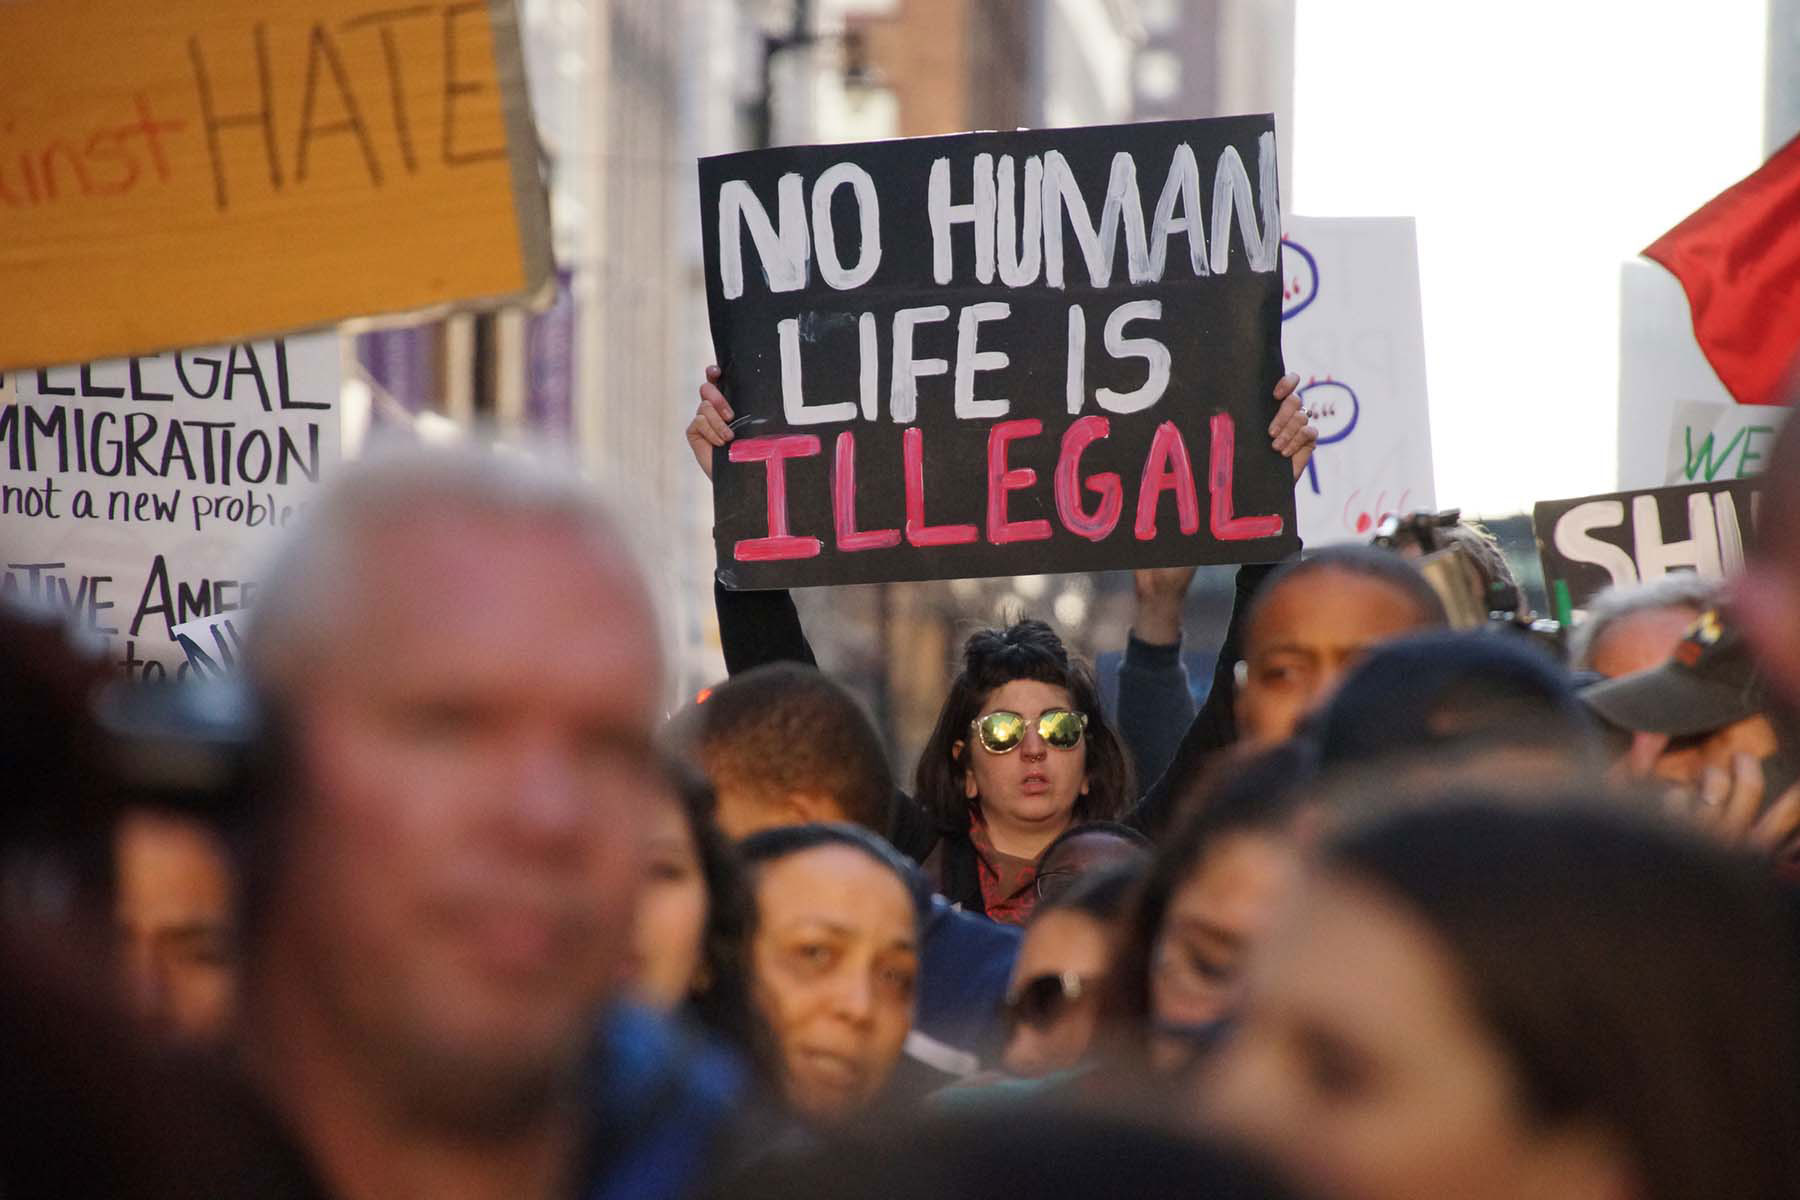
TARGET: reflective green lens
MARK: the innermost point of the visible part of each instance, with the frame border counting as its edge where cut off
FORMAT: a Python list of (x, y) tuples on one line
[(1061, 728), (1001, 731)]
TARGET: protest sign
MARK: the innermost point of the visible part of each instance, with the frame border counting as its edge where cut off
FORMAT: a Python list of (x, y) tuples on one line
[(1662, 372), (1629, 537), (138, 495), (267, 165), (998, 353), (1722, 441), (211, 644), (1352, 330)]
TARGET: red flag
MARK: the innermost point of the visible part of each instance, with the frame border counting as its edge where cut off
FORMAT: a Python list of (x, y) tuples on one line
[(1738, 259)]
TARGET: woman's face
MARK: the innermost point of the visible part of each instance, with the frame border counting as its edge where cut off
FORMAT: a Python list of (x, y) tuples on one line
[(1219, 912), (669, 937), (1051, 1030), (833, 969), (1361, 1065), (1035, 785)]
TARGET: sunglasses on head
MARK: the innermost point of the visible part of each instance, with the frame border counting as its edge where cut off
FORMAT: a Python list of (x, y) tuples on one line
[(1003, 731), (1042, 1001)]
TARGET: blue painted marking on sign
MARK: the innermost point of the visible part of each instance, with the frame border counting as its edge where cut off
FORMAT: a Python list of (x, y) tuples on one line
[(1324, 409), (1303, 289)]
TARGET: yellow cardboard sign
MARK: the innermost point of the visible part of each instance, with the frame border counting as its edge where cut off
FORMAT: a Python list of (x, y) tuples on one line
[(196, 171)]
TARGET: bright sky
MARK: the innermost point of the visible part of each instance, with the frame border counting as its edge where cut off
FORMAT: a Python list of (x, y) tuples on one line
[(1540, 145)]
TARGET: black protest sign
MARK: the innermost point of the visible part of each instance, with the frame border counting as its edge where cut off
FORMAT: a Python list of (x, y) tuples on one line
[(998, 353), (1628, 537)]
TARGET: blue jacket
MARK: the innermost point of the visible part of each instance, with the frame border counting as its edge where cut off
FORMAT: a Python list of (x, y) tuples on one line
[(964, 968), (667, 1109)]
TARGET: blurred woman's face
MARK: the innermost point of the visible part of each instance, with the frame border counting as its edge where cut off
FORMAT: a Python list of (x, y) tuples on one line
[(1219, 912), (1035, 785), (1361, 1065), (834, 965), (1053, 997), (669, 935)]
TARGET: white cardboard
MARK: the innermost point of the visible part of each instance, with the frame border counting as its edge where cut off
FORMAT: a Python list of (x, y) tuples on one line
[(1722, 441), (1353, 331), (155, 534), (1661, 372)]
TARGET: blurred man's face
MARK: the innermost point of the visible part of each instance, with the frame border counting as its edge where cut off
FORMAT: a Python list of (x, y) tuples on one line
[(1308, 633), (476, 768), (173, 913)]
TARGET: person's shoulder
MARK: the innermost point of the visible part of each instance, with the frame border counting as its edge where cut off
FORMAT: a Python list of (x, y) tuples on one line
[(966, 928)]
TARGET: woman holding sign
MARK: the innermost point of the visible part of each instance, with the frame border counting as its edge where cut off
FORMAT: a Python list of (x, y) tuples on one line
[(1021, 751)]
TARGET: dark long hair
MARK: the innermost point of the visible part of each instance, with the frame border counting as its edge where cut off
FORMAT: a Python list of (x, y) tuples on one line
[(992, 659), (721, 1003), (1634, 977)]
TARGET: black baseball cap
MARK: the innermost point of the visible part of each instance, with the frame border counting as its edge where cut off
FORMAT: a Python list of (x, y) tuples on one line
[(1711, 680), (1441, 689)]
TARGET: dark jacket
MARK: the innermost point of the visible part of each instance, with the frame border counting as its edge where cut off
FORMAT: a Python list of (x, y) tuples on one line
[(1214, 727)]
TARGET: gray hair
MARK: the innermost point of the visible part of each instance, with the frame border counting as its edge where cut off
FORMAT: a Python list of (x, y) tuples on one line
[(403, 484), (1612, 605)]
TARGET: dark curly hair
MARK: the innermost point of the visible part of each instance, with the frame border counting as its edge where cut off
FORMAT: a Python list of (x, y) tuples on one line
[(783, 728), (993, 658)]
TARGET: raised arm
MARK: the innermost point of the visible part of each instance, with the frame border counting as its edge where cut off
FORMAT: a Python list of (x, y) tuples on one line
[(1214, 726), (1155, 703), (754, 627)]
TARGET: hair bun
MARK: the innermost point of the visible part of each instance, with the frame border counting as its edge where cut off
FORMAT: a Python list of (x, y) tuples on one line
[(1025, 640)]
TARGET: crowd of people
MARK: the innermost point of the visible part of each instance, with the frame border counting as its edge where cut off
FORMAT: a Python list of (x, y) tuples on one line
[(442, 902)]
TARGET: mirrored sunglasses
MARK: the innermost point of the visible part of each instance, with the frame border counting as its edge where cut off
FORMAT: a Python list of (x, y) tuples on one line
[(1002, 731)]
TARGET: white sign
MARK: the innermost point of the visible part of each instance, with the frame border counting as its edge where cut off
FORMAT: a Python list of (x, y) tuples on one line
[(1711, 442), (212, 643), (1662, 373), (1352, 330), (138, 494)]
